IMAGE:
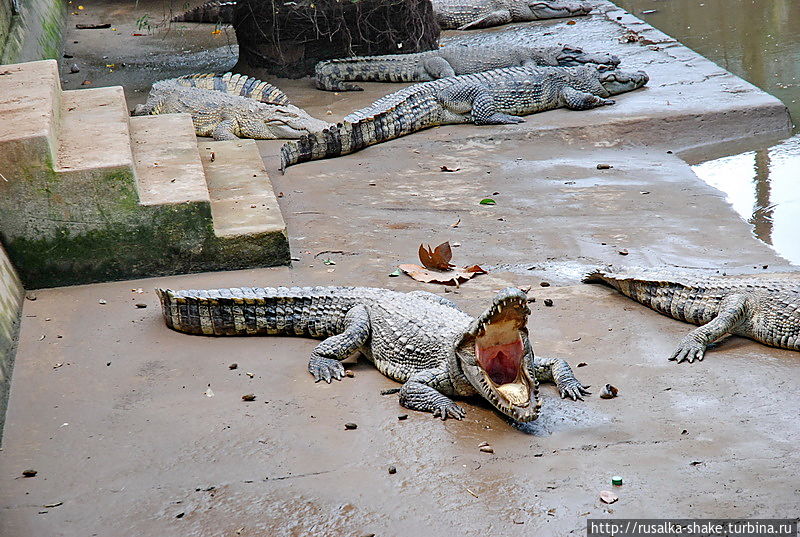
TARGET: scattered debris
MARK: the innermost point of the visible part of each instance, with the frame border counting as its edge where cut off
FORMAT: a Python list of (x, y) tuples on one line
[(695, 463), (649, 11), (472, 493), (457, 223), (544, 284), (102, 302), (609, 392), (209, 393), (485, 448), (250, 374), (446, 169), (74, 68), (180, 515), (582, 364), (30, 472), (234, 365), (402, 417), (92, 26), (604, 166), (349, 373), (249, 397), (59, 364), (31, 296), (548, 302), (350, 426), (487, 201), (392, 470), (606, 496), (395, 273), (616, 480), (141, 305), (51, 505)]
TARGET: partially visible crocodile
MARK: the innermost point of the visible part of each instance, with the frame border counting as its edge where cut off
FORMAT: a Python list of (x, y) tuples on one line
[(470, 14), (452, 60), (488, 98), (215, 12), (450, 14), (417, 338), (227, 106), (764, 309)]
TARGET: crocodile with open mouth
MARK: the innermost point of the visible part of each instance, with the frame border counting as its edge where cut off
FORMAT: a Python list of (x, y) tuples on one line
[(418, 338)]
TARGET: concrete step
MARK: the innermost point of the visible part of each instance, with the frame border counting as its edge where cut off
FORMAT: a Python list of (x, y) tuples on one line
[(93, 132), (30, 99), (242, 200), (166, 158)]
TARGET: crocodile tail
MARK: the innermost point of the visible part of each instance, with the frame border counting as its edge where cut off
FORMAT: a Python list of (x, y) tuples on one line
[(331, 75), (214, 12), (236, 84)]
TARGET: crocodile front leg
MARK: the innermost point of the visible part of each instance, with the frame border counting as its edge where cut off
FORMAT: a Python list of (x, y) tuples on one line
[(421, 392), (732, 311), (224, 130), (559, 372), (325, 363), (581, 100)]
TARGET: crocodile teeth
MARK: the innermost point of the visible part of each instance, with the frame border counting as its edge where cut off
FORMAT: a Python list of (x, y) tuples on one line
[(515, 393)]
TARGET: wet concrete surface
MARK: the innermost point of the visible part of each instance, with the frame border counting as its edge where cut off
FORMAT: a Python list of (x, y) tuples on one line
[(114, 415)]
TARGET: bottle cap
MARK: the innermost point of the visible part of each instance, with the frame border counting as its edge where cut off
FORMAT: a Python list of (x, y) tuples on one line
[(616, 480)]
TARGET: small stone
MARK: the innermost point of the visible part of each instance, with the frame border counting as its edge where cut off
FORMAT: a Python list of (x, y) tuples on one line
[(234, 365), (349, 373), (180, 515), (249, 374), (392, 470), (538, 454), (402, 417), (350, 426), (623, 252), (141, 305), (548, 302), (486, 449), (249, 397), (31, 296), (30, 472), (609, 392), (74, 68), (544, 284), (102, 301), (604, 166), (582, 364)]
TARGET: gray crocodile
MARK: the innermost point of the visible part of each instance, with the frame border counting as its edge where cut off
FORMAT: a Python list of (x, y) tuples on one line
[(228, 106), (418, 338), (450, 14), (470, 14), (452, 60), (487, 98), (764, 309)]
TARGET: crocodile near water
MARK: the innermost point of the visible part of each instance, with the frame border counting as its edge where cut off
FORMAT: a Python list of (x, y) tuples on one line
[(451, 60), (450, 14), (228, 106), (761, 308), (494, 97), (418, 338)]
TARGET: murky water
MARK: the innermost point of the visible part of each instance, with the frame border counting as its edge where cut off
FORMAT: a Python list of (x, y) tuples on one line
[(758, 40)]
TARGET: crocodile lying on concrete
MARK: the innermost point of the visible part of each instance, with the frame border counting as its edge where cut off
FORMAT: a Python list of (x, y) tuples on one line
[(417, 338), (766, 310), (487, 98), (452, 60), (470, 14), (227, 106), (450, 14)]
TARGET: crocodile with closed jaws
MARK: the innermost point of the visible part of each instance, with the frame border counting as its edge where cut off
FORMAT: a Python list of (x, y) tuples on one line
[(450, 14), (451, 60), (228, 106), (765, 309), (418, 338), (492, 97)]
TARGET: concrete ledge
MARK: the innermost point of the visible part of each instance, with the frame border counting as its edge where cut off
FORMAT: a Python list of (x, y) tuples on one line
[(11, 295)]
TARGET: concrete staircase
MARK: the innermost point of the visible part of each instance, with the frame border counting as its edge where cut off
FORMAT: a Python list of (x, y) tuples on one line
[(88, 193)]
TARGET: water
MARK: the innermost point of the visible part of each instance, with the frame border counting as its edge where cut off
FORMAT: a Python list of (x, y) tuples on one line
[(758, 40)]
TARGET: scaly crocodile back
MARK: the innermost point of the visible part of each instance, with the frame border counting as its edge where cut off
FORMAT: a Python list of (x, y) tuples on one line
[(215, 12), (235, 84), (297, 311)]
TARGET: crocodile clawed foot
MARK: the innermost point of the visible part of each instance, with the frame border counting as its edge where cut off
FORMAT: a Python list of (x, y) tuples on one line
[(574, 390), (449, 410), (325, 369), (688, 351)]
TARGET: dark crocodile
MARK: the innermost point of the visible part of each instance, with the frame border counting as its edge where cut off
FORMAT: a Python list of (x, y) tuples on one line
[(761, 308), (420, 339), (451, 60), (488, 98)]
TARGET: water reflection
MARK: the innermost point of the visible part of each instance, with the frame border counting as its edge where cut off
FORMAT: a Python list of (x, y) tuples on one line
[(758, 40), (764, 188)]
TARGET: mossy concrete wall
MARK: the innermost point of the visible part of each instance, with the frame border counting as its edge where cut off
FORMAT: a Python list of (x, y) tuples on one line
[(30, 30), (11, 295)]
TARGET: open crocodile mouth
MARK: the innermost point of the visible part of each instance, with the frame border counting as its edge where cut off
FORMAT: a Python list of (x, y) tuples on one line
[(500, 351)]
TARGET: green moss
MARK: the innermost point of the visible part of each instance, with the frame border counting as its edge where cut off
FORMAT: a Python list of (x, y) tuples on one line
[(50, 37)]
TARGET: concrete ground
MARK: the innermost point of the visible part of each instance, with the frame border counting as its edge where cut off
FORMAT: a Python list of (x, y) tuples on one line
[(112, 408)]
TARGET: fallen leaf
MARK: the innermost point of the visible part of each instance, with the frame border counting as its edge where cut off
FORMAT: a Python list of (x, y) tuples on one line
[(437, 259), (488, 201), (456, 224), (329, 262), (53, 504), (571, 23), (451, 277), (606, 496)]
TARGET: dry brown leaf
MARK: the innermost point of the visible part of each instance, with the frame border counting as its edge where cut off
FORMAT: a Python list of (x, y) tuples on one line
[(437, 259), (451, 277)]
